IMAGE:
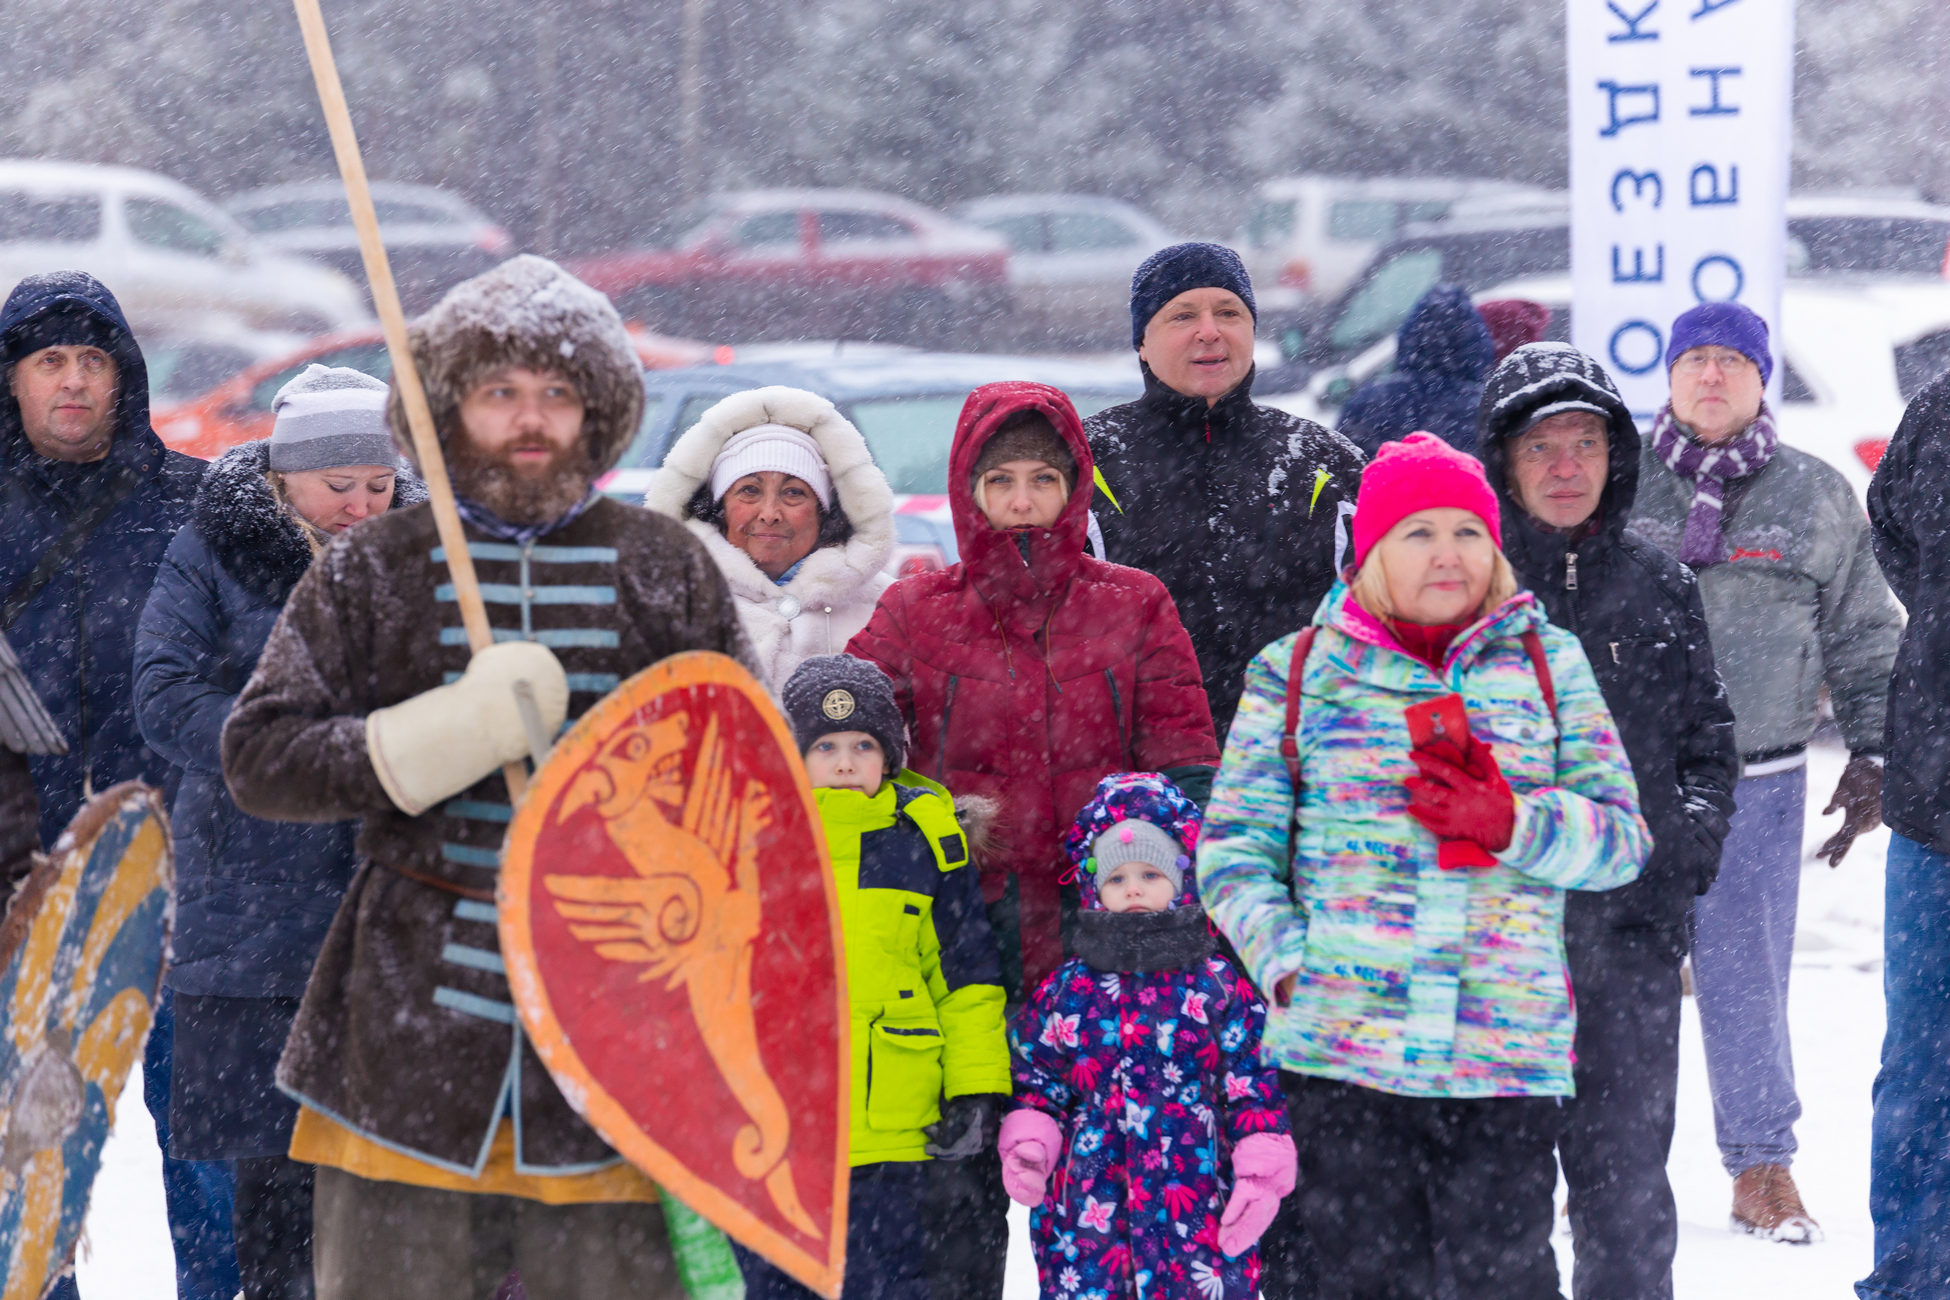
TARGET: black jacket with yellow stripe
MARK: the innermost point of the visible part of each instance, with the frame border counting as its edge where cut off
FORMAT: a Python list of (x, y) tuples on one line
[(921, 967)]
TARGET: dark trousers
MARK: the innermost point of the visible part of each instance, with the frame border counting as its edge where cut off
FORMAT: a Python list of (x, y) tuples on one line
[(1909, 1140), (967, 1220), (885, 1255), (1385, 1179), (1287, 1268), (273, 1228), (1618, 1130)]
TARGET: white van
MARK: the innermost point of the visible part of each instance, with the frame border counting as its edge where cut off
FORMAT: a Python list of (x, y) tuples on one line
[(171, 258), (1308, 237)]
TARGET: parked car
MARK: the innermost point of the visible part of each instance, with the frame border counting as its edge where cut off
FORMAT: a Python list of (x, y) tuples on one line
[(434, 239), (1496, 240), (1071, 257), (184, 363), (1851, 355), (1307, 237), (239, 409), (781, 264), (169, 256), (903, 401)]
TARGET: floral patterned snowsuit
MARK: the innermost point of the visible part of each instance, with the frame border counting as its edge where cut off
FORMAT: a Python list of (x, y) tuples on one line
[(1152, 1077)]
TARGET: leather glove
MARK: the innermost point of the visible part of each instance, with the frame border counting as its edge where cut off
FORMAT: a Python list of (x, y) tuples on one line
[(1264, 1167), (1470, 809), (442, 741), (966, 1127), (1029, 1146), (1858, 797)]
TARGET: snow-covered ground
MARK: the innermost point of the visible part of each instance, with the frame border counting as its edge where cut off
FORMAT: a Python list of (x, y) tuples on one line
[(1837, 1011)]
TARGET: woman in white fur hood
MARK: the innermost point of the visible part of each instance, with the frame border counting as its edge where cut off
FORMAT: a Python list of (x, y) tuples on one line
[(784, 494)]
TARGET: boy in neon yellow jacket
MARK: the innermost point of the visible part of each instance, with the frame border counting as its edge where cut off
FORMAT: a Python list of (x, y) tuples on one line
[(922, 975)]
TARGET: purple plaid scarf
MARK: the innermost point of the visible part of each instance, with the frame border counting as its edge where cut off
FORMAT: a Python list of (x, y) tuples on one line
[(1710, 467)]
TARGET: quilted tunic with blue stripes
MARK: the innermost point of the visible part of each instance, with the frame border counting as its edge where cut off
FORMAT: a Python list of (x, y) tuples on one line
[(410, 984)]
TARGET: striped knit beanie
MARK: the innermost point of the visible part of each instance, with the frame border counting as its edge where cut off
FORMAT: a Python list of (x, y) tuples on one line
[(330, 416)]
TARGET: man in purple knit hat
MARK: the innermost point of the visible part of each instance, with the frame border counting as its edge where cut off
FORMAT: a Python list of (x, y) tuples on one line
[(1794, 602)]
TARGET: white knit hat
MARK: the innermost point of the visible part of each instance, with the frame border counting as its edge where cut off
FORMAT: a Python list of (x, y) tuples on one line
[(330, 416), (776, 447)]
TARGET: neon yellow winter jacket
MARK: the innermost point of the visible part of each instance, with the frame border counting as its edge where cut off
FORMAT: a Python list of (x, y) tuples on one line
[(921, 966)]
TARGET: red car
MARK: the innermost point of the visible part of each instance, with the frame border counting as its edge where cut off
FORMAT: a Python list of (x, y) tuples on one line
[(784, 264), (239, 409)]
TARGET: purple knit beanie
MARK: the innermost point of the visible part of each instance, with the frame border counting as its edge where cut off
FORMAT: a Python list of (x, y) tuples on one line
[(1722, 325)]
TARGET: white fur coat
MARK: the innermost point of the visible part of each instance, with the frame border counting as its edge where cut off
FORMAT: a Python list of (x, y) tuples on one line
[(835, 591)]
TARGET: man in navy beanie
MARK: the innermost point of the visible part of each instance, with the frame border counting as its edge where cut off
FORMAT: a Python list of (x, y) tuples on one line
[(1237, 508)]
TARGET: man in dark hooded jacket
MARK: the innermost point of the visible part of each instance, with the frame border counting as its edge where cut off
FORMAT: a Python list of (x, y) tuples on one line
[(1562, 451), (1237, 508), (89, 500), (1443, 352)]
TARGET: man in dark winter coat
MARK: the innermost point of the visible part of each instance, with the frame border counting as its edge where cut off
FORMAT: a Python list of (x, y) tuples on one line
[(89, 499), (446, 1153), (1909, 1152), (1443, 352), (1562, 451), (1237, 508)]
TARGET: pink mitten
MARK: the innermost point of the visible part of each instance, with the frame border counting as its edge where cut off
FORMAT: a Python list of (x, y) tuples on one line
[(1029, 1145), (1263, 1167)]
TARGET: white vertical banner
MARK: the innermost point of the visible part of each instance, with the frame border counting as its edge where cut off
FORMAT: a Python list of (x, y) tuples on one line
[(1681, 123)]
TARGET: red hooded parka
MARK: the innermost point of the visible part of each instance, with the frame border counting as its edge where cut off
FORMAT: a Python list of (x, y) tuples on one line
[(1028, 680)]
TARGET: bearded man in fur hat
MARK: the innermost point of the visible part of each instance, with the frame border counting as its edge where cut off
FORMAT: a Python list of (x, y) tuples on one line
[(446, 1154)]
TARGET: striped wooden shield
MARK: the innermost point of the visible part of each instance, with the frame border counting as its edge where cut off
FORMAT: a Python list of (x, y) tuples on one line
[(81, 965), (673, 941)]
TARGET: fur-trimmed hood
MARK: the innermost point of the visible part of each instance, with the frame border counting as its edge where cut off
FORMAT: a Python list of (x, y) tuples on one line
[(841, 581), (254, 537), (527, 312)]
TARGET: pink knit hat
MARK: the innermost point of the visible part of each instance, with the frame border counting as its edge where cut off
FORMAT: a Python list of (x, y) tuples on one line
[(1421, 472)]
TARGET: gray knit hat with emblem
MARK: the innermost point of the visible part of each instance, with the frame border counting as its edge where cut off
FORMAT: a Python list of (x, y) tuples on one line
[(832, 693), (330, 416)]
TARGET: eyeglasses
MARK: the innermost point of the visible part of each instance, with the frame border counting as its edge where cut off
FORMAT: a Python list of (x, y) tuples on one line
[(1695, 360), (1587, 450)]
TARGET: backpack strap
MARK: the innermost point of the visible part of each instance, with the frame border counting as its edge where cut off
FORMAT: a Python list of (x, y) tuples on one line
[(1534, 647), (1290, 740)]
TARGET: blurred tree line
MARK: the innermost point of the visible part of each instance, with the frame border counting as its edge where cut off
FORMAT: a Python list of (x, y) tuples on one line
[(579, 123)]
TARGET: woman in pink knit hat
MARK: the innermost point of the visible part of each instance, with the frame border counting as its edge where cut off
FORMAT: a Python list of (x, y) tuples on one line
[(1388, 851)]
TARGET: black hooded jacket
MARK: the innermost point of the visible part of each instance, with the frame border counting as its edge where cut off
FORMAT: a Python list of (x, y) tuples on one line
[(1237, 508), (1639, 615), (76, 638), (1443, 354)]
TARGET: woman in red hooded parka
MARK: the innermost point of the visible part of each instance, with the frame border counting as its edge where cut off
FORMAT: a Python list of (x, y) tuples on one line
[(1030, 670)]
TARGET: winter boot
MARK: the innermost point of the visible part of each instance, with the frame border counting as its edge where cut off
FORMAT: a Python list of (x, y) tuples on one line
[(1766, 1205)]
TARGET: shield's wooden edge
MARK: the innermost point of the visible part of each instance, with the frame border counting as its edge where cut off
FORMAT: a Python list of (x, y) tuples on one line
[(604, 1113)]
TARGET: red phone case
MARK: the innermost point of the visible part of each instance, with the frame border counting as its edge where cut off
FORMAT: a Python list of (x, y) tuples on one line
[(1440, 727)]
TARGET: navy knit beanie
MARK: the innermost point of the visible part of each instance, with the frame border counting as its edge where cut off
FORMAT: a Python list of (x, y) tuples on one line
[(1722, 325), (830, 693), (1171, 271)]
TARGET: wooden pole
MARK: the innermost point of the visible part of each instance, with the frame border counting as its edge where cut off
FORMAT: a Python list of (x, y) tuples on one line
[(392, 319)]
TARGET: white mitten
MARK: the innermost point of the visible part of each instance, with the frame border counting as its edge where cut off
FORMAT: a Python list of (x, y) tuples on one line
[(442, 741)]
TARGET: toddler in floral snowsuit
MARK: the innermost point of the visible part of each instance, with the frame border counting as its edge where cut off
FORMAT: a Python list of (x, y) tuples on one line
[(1149, 1139)]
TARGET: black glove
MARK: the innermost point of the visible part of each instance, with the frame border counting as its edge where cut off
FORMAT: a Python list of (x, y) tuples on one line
[(1709, 827), (1858, 797), (967, 1127)]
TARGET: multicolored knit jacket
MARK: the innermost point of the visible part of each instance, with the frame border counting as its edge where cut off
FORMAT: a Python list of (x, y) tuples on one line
[(1145, 1050), (1411, 979)]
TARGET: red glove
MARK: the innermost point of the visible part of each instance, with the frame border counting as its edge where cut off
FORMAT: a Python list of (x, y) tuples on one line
[(1470, 808)]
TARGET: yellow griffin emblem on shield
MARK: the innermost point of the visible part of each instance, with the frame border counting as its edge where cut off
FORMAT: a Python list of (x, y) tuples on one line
[(692, 913)]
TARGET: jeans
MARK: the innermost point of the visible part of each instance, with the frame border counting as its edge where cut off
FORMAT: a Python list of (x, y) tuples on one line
[(1909, 1144), (200, 1195), (1741, 956)]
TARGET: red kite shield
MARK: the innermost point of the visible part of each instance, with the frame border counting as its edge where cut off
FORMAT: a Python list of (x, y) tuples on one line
[(673, 940)]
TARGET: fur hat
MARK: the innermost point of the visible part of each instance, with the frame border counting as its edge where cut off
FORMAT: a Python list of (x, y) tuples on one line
[(1182, 267), (830, 693), (1027, 435), (527, 312), (1150, 798)]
